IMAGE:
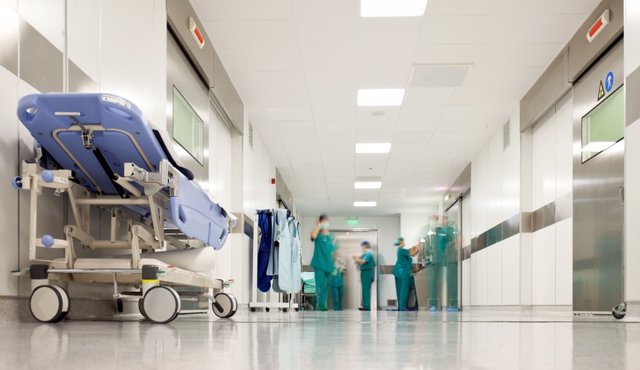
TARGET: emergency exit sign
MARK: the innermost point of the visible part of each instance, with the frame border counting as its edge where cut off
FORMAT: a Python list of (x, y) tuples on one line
[(598, 26), (352, 221), (196, 32)]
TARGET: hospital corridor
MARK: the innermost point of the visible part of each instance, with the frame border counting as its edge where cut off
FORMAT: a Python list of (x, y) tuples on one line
[(320, 184)]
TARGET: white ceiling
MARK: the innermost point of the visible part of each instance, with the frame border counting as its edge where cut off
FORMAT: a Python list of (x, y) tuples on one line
[(298, 64)]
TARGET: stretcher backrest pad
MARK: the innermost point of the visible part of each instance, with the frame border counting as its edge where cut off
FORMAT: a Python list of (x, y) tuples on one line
[(125, 136), (119, 134)]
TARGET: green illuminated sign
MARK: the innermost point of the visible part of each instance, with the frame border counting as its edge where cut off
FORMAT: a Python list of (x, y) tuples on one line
[(352, 221)]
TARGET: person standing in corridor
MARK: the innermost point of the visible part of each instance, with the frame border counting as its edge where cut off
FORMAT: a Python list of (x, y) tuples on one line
[(367, 273), (322, 261)]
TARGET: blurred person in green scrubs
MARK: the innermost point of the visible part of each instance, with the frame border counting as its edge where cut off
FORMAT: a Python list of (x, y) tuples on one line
[(337, 282), (403, 272), (367, 274), (322, 261)]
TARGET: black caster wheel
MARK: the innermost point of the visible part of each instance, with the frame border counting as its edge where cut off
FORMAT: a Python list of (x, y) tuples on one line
[(49, 303), (619, 311), (267, 309), (285, 310), (119, 305), (225, 305), (253, 309), (161, 304), (297, 309), (141, 308)]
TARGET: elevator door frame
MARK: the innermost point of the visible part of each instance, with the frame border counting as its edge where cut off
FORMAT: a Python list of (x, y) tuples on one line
[(375, 249), (458, 245), (182, 76), (597, 183)]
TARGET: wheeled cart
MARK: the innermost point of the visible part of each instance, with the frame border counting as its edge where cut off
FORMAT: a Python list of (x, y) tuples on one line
[(98, 152)]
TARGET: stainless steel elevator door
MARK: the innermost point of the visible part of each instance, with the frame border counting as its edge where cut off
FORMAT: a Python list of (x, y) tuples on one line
[(598, 217), (348, 243), (183, 81)]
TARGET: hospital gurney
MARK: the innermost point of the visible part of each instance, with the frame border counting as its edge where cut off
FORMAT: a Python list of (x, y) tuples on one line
[(98, 151)]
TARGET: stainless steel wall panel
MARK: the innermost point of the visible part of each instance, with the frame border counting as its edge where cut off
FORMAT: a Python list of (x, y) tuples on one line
[(632, 91), (179, 13), (526, 222), (511, 227), (228, 96), (544, 216), (80, 81), (460, 187), (182, 76), (547, 90), (494, 235), (582, 53), (474, 245), (9, 40), (40, 61), (282, 191), (598, 215)]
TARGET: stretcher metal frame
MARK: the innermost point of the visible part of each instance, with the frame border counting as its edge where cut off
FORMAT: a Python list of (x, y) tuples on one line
[(154, 278)]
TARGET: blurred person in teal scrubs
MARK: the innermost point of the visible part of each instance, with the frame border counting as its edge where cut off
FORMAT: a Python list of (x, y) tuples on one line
[(403, 272), (337, 282), (367, 274), (322, 261)]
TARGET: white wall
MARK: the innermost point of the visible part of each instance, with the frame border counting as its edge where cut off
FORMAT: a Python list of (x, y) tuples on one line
[(492, 275), (99, 39), (388, 230), (552, 179), (632, 159)]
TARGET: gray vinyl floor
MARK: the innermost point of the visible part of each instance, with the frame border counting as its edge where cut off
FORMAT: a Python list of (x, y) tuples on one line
[(329, 340)]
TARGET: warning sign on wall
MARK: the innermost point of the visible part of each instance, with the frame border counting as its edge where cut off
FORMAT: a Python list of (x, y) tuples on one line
[(600, 91)]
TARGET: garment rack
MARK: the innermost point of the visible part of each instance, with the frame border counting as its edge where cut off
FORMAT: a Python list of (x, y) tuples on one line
[(267, 304)]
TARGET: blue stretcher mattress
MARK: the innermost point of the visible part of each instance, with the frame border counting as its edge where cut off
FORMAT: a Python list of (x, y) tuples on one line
[(119, 134)]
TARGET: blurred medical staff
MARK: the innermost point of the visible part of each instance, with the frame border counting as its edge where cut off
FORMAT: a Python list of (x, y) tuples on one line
[(366, 262), (322, 261), (403, 272), (337, 282)]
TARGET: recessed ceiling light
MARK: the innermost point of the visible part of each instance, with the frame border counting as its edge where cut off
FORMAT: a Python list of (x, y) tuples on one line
[(380, 97), (373, 148), (365, 204), (392, 8), (367, 185)]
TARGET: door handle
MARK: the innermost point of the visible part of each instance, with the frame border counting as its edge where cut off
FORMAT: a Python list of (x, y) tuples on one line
[(621, 195)]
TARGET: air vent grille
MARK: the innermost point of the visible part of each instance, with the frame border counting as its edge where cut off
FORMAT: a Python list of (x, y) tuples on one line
[(506, 135)]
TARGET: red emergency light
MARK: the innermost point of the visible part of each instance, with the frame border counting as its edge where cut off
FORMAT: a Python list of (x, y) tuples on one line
[(598, 26), (196, 33)]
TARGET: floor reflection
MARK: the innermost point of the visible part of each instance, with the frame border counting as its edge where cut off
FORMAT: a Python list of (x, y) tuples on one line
[(346, 340)]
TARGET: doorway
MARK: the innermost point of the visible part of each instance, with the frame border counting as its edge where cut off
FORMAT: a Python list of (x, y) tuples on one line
[(348, 243), (598, 185)]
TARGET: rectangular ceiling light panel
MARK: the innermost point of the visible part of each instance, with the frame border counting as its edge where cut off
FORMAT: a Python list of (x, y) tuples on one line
[(373, 148), (439, 75), (367, 185), (392, 8), (365, 204), (380, 97)]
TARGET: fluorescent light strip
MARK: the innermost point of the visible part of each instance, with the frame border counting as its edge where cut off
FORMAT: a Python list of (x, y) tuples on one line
[(392, 8), (373, 148), (367, 185), (380, 97), (365, 204)]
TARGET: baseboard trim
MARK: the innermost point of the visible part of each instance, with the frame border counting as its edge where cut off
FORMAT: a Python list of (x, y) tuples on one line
[(523, 308)]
